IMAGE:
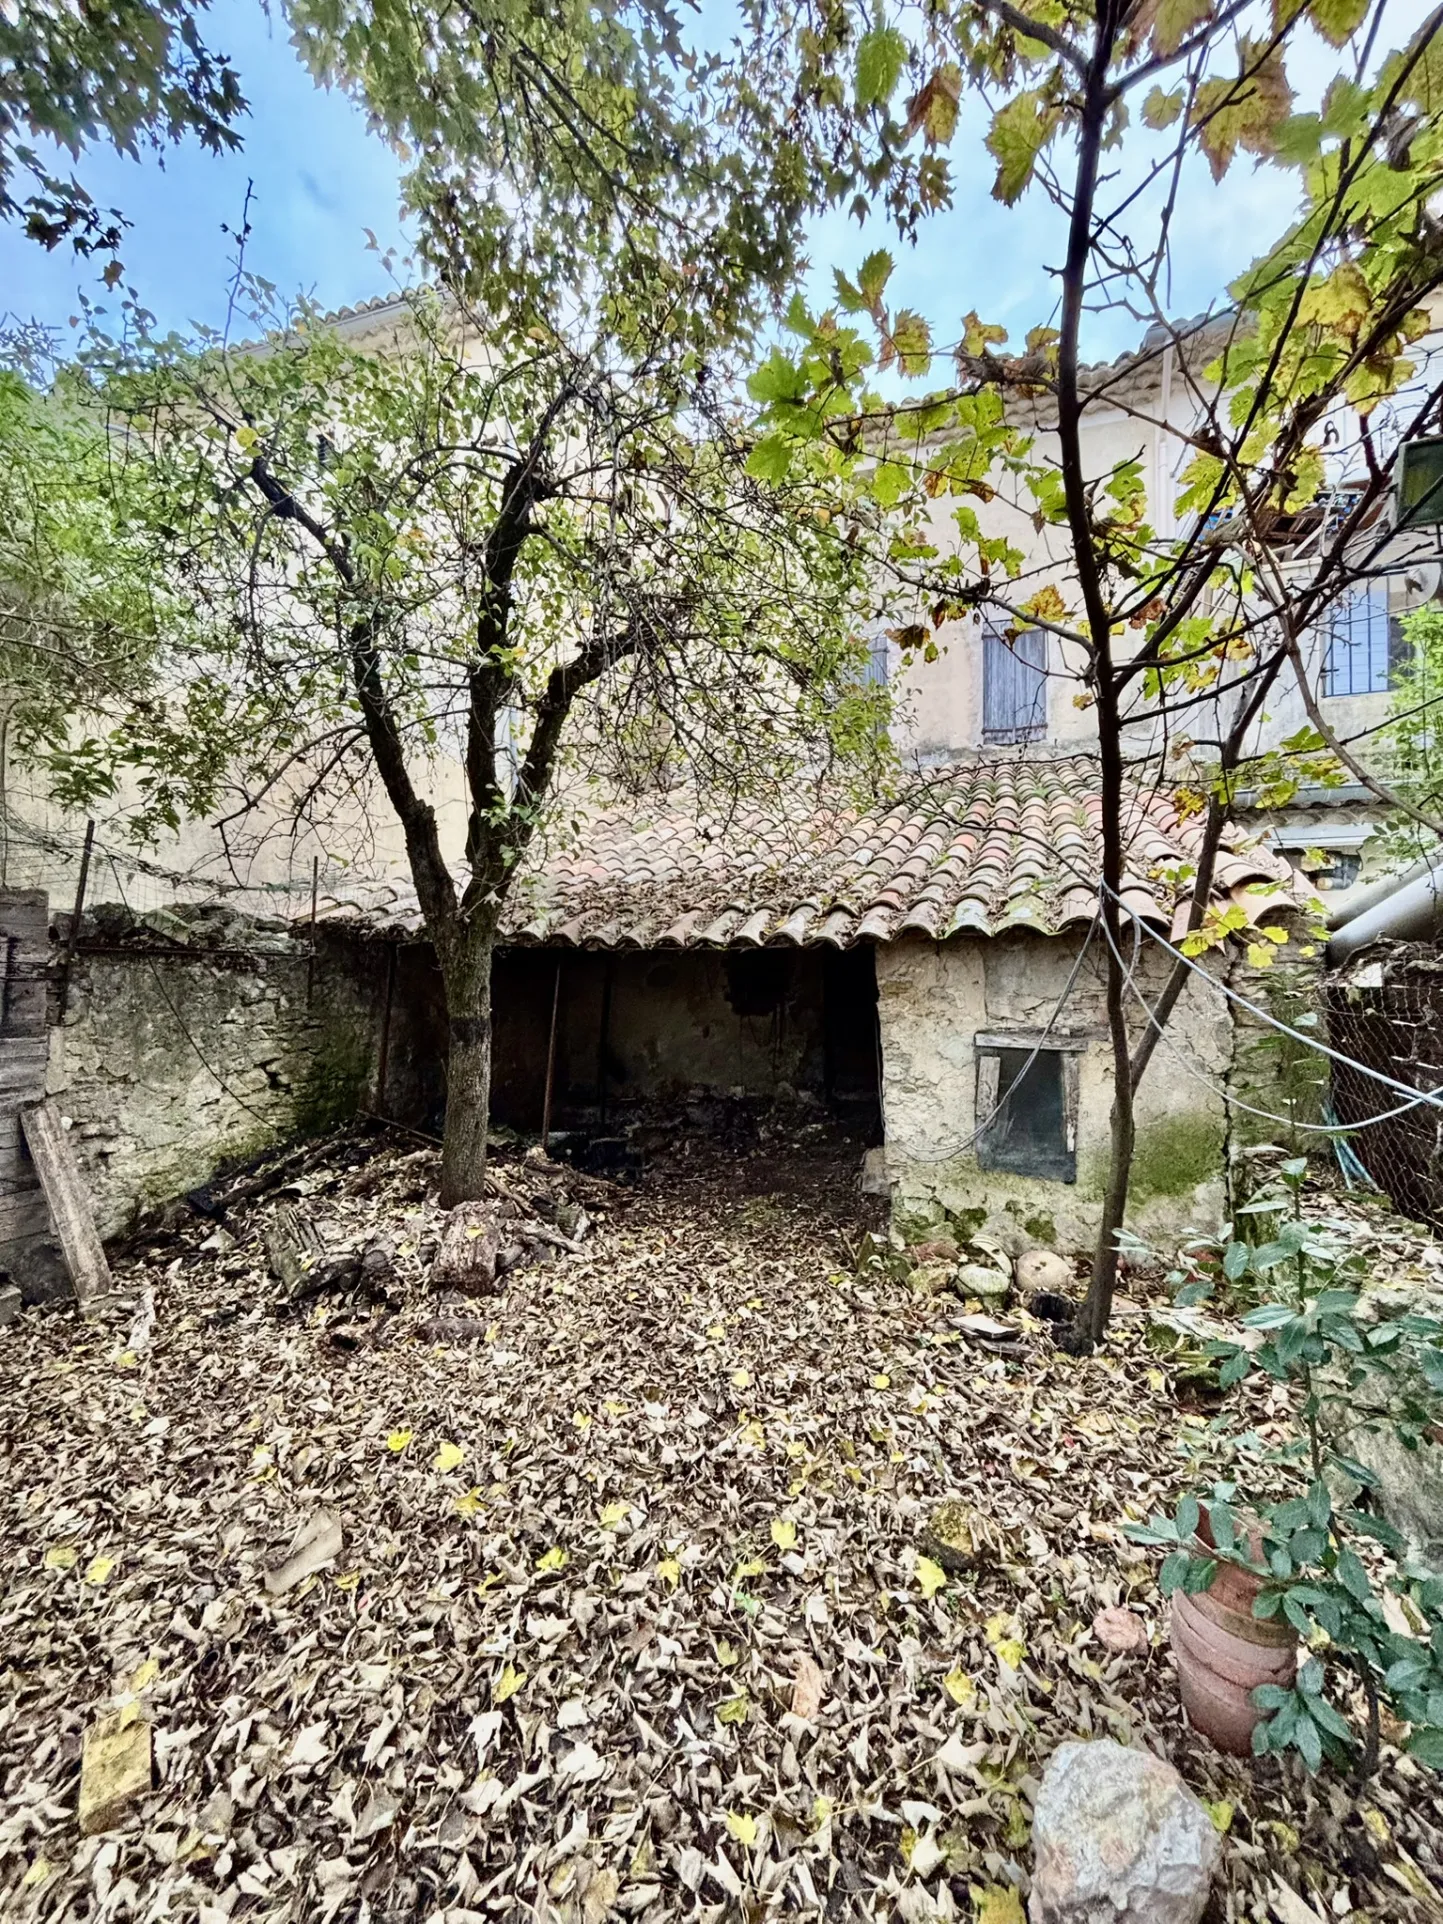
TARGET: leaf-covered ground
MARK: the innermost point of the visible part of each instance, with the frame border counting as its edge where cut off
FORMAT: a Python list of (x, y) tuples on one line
[(629, 1617)]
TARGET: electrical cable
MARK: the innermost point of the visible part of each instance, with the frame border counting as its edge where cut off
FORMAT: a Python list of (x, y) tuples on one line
[(1332, 1129), (1433, 1097)]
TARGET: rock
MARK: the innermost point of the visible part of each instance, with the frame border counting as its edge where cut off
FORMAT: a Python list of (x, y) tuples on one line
[(989, 1285), (466, 1259), (9, 1304), (1122, 1632), (1118, 1838), (941, 1249), (957, 1535), (931, 1279), (882, 1256), (1044, 1269), (874, 1178), (115, 1768)]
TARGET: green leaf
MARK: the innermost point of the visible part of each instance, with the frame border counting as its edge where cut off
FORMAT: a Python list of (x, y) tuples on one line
[(1309, 1742), (1174, 1569), (1426, 1744), (1175, 20), (1338, 20), (1161, 109), (881, 56), (876, 271), (771, 458), (1019, 132)]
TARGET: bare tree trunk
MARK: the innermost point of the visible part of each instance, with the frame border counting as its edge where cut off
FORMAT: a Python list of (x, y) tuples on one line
[(468, 1067)]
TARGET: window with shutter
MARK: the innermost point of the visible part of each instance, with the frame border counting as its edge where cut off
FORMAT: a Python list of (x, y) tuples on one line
[(1014, 686)]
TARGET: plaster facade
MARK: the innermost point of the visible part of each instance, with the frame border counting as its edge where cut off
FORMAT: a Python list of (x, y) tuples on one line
[(936, 999)]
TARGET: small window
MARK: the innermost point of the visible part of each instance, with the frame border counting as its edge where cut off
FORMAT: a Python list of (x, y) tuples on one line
[(1014, 686), (1339, 869), (1364, 643), (878, 671), (1032, 1102)]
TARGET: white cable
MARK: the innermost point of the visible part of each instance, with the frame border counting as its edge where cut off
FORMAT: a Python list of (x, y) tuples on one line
[(1433, 1097), (1330, 1129)]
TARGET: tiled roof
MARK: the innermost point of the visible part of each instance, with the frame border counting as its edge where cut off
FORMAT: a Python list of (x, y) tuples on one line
[(980, 847)]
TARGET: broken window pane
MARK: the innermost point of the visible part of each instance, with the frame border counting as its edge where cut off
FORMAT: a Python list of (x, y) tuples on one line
[(1029, 1133)]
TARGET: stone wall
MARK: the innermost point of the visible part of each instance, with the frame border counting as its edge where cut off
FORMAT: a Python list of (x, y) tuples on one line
[(192, 1039), (935, 1000)]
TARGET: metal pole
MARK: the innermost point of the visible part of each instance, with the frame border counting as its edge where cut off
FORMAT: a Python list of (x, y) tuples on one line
[(550, 1063), (311, 958), (73, 936), (383, 1062), (602, 1041)]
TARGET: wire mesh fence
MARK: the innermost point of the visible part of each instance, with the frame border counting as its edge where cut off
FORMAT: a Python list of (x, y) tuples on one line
[(1385, 1012)]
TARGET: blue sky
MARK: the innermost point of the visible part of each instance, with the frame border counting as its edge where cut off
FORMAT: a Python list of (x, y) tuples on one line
[(321, 178)]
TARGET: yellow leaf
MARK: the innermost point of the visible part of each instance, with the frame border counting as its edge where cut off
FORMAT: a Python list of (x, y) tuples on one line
[(752, 1432), (614, 1515), (613, 1408), (753, 1567), (469, 1504), (61, 1556), (145, 1676), (581, 1420), (669, 1570), (126, 1360), (881, 1382), (727, 1654), (245, 437), (1376, 1825), (741, 1379), (784, 1533), (399, 1440), (930, 1576), (716, 1332), (1003, 1637), (1222, 1815), (554, 1559), (100, 1569), (349, 1580), (449, 1457), (507, 1685), (37, 1874), (734, 1710), (996, 1904), (821, 1812), (742, 1827), (960, 1687)]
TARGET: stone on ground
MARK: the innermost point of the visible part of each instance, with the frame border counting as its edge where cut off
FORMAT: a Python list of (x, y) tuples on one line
[(9, 1305), (1118, 1838), (989, 1285), (931, 1279), (1044, 1269), (114, 1768)]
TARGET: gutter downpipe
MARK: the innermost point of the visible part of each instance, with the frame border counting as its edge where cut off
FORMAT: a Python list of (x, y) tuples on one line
[(1410, 908)]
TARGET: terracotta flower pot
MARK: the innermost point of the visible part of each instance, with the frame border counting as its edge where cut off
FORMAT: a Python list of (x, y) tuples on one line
[(1224, 1653)]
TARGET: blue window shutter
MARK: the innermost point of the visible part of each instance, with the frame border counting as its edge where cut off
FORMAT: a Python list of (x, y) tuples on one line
[(1014, 686)]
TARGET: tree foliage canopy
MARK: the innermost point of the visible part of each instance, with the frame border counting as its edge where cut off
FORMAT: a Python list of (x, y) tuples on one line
[(133, 73)]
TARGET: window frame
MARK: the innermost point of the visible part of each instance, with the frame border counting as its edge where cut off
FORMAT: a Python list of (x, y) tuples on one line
[(988, 1048), (1033, 727)]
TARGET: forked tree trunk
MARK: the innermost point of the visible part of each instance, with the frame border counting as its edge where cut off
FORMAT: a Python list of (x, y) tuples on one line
[(468, 1068)]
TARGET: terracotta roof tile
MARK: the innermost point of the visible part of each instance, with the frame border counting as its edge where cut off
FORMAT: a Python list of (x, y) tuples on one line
[(981, 846)]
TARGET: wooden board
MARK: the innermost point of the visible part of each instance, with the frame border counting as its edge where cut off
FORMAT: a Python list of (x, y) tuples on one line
[(69, 1202)]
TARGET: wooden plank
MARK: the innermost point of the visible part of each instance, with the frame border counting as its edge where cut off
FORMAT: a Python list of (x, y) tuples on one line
[(24, 953), (69, 1203), (22, 1068), (23, 1217)]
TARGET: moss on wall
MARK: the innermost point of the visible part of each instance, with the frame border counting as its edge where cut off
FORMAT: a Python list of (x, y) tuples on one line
[(1174, 1154), (335, 1075)]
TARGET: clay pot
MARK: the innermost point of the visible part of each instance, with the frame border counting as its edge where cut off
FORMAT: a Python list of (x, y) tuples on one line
[(1224, 1653)]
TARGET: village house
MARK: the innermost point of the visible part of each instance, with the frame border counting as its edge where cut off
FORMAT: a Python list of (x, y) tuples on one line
[(925, 974)]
